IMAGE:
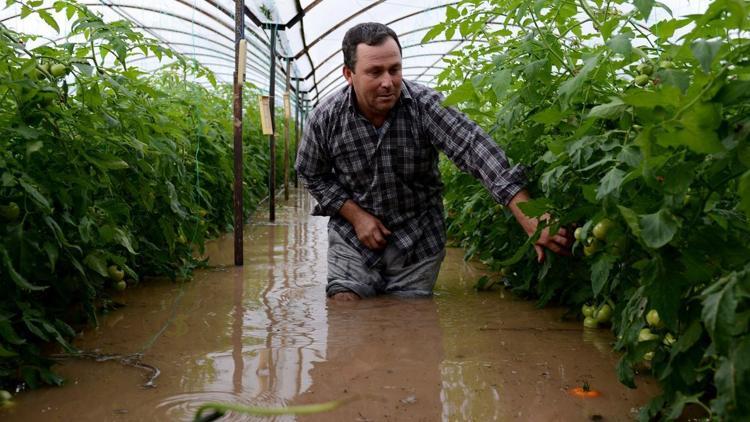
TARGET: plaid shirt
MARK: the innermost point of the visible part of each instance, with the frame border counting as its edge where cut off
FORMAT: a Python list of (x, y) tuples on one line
[(392, 173)]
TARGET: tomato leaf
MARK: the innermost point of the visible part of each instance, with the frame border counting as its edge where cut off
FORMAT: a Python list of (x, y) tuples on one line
[(609, 26), (15, 276), (451, 12), (570, 87), (658, 229), (549, 116), (733, 93), (644, 6), (36, 195), (52, 253), (501, 82), (535, 207), (733, 381), (600, 272), (46, 17), (668, 96), (675, 78), (719, 304), (610, 183), (8, 334), (464, 92), (631, 218), (744, 193), (123, 239), (620, 44), (696, 130), (174, 201), (678, 405), (666, 28), (97, 263), (433, 32), (5, 353), (705, 52), (611, 110), (625, 372)]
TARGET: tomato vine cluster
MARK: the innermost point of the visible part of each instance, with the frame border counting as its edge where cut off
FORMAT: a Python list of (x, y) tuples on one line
[(635, 131)]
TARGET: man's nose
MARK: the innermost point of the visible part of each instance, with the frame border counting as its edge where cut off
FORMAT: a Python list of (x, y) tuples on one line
[(386, 81)]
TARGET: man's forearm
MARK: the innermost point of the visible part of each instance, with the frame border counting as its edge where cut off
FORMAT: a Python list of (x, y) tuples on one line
[(527, 223), (351, 211), (327, 192)]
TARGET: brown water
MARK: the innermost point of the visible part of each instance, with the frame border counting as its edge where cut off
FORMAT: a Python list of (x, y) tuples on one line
[(264, 334)]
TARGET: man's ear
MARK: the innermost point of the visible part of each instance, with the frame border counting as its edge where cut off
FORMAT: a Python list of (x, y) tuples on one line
[(347, 74)]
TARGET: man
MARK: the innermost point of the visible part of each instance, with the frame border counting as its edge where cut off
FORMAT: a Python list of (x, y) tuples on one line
[(369, 156)]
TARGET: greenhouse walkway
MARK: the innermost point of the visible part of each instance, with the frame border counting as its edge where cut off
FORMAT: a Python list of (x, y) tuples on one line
[(264, 334)]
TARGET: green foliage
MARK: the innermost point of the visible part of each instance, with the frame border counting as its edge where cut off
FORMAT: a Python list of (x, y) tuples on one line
[(104, 165), (644, 125)]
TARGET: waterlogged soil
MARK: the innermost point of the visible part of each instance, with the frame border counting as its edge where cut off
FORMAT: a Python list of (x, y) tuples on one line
[(265, 335)]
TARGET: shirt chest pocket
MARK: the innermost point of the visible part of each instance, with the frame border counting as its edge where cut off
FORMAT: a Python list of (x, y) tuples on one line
[(352, 158), (413, 157)]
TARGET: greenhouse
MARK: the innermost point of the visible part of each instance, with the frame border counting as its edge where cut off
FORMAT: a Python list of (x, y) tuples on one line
[(464, 210)]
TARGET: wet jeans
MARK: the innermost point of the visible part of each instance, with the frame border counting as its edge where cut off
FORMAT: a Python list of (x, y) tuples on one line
[(348, 273)]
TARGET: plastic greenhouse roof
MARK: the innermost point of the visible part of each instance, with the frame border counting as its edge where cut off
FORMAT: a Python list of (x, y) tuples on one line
[(310, 34)]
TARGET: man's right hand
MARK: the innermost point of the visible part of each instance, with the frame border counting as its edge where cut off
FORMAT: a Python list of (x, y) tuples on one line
[(370, 230)]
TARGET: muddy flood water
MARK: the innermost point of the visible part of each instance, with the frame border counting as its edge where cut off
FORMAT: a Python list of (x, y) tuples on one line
[(264, 334)]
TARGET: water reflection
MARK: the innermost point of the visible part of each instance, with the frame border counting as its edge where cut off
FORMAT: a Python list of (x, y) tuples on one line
[(386, 351), (264, 334)]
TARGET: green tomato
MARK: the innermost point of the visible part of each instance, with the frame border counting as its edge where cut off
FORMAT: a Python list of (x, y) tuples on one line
[(603, 314), (666, 64), (58, 70), (669, 340), (10, 212), (602, 228), (641, 79), (645, 69), (590, 322), (115, 273), (587, 310), (578, 234), (646, 335), (652, 317), (591, 248), (121, 285), (5, 396)]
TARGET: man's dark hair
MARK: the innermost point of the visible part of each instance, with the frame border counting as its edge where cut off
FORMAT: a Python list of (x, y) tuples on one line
[(369, 33)]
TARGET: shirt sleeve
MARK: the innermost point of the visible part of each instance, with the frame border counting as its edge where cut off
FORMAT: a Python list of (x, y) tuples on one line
[(314, 167), (471, 148)]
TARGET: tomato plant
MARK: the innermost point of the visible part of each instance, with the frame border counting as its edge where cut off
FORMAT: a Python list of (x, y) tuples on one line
[(105, 171), (643, 124)]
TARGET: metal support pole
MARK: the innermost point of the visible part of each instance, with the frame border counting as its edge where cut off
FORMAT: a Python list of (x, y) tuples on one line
[(239, 34), (287, 124), (272, 137), (296, 130)]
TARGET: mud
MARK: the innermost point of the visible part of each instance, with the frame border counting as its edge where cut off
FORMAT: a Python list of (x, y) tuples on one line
[(265, 335)]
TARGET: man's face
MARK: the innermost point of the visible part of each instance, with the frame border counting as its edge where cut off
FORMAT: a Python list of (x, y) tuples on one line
[(376, 78)]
